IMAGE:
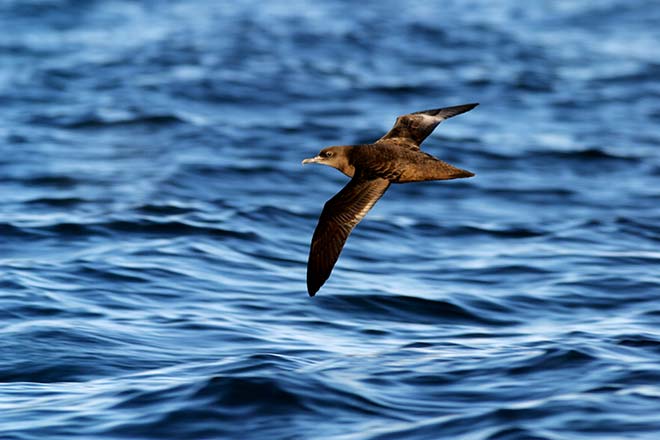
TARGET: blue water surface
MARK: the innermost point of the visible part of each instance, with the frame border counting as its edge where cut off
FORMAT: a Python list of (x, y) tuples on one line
[(155, 221)]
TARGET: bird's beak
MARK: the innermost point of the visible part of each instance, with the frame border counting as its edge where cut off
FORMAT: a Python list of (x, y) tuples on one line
[(312, 160)]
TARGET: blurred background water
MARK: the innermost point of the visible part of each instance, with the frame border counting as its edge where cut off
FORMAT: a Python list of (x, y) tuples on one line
[(155, 221)]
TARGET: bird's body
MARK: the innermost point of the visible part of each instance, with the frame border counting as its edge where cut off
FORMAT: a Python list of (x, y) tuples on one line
[(394, 158), (392, 161)]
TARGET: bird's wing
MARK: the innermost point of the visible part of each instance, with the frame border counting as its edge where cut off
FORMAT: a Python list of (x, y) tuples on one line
[(340, 215), (415, 127)]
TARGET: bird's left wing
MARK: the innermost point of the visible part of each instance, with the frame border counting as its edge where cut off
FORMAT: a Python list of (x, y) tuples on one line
[(415, 127), (340, 215)]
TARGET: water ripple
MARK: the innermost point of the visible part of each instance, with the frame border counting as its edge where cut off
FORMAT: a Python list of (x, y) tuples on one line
[(156, 221)]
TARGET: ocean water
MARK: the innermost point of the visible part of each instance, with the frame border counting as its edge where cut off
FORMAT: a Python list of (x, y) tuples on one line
[(155, 221)]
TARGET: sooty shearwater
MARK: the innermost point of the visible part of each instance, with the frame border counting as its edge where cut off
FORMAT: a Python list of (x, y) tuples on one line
[(394, 158)]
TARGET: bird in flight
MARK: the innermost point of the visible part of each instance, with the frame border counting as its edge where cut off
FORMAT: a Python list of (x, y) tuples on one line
[(394, 158)]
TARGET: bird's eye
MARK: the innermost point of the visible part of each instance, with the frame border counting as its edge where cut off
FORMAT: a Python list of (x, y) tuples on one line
[(326, 154)]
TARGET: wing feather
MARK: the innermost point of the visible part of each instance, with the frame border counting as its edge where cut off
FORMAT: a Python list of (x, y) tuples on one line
[(340, 215), (415, 127)]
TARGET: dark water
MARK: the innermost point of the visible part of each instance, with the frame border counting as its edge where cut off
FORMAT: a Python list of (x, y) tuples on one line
[(155, 221)]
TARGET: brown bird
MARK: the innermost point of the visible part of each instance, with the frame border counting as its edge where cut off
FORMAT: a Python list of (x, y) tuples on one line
[(394, 158)]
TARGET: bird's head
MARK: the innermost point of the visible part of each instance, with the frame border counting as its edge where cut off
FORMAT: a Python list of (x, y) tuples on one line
[(336, 157)]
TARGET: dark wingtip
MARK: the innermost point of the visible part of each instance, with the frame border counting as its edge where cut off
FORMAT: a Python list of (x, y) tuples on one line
[(458, 109), (448, 112), (312, 287), (471, 106), (465, 107)]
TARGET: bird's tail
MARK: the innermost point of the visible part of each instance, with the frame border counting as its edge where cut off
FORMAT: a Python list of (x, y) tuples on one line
[(433, 170)]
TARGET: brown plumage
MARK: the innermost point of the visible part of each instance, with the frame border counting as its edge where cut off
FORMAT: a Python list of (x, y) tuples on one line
[(394, 158)]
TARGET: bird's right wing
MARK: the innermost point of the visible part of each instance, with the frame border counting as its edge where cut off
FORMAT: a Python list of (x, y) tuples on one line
[(415, 127), (340, 215)]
